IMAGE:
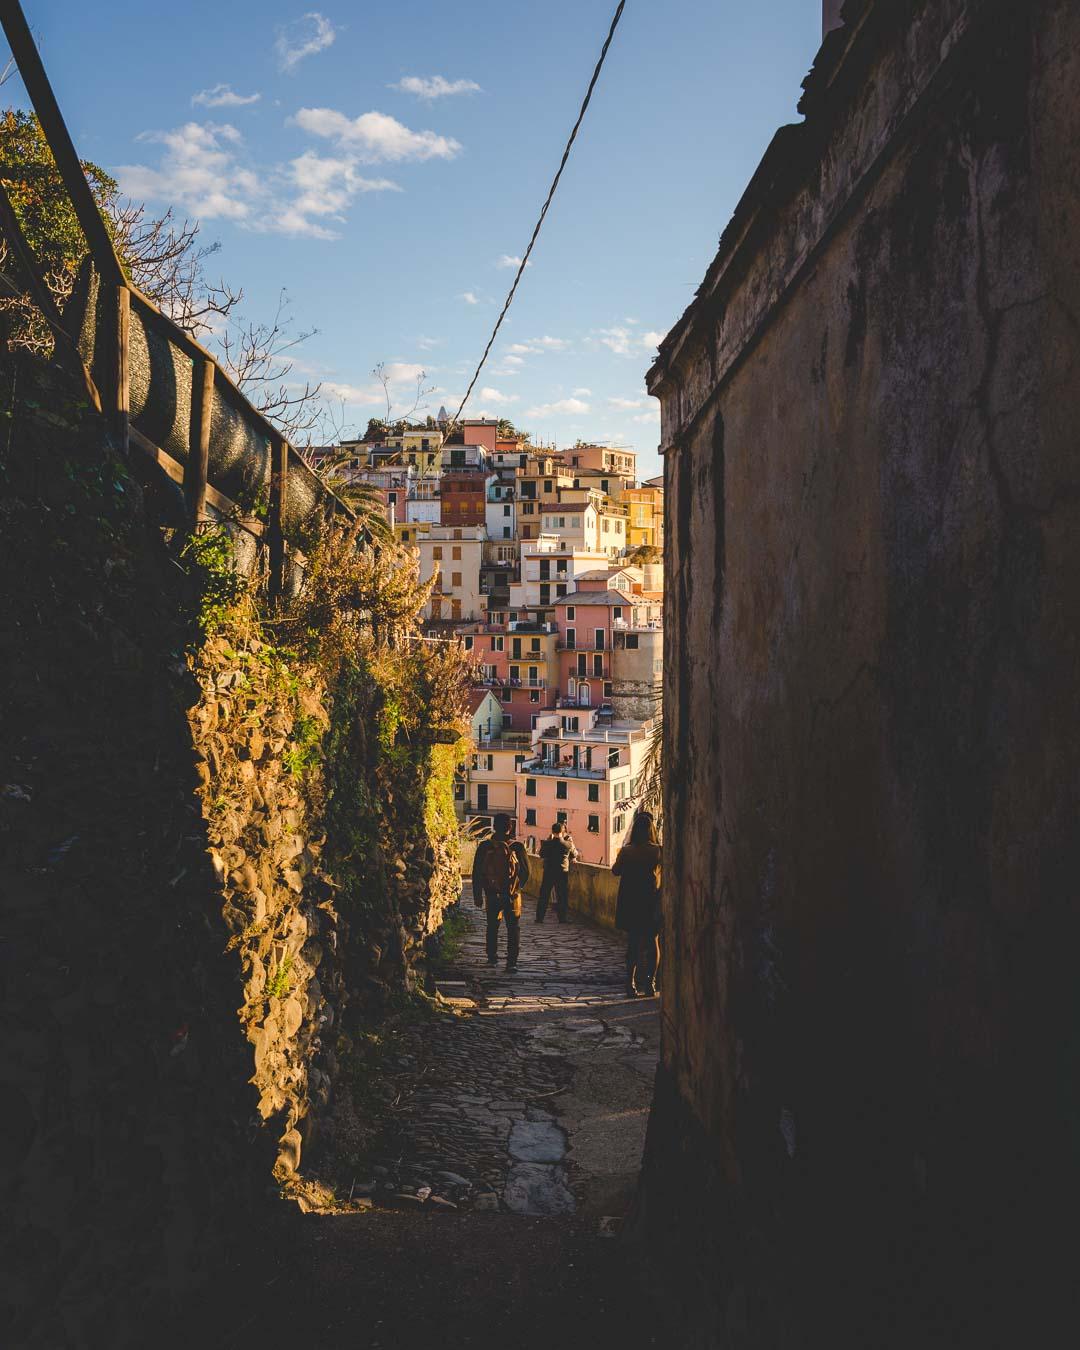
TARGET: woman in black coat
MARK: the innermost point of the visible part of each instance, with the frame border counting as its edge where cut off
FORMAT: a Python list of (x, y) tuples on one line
[(637, 913)]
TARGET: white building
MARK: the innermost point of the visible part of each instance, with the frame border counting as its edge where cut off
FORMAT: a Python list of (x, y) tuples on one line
[(454, 554)]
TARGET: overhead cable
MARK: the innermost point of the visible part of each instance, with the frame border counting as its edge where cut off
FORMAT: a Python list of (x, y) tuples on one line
[(551, 193)]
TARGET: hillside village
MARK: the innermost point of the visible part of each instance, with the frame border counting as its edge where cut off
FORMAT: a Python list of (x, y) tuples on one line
[(547, 565)]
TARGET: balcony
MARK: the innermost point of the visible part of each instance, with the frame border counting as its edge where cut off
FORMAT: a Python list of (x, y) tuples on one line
[(543, 768)]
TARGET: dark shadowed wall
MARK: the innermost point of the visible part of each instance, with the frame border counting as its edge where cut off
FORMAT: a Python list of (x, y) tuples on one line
[(866, 1121)]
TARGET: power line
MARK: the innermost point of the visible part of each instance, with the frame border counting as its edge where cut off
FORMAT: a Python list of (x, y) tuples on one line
[(547, 203)]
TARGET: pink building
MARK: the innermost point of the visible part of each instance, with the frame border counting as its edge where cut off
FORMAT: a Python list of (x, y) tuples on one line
[(584, 775), (519, 663)]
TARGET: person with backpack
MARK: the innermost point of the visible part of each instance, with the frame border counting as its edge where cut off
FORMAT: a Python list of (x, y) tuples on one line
[(500, 870), (637, 913), (558, 852)]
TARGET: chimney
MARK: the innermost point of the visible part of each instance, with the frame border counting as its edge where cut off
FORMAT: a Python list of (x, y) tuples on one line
[(830, 16)]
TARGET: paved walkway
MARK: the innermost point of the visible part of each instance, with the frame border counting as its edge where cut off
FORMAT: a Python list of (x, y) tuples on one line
[(532, 1095)]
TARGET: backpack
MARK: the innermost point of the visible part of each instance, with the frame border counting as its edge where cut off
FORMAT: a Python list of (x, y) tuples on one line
[(500, 871)]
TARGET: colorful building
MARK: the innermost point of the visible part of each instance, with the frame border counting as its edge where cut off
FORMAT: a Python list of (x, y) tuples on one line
[(585, 775)]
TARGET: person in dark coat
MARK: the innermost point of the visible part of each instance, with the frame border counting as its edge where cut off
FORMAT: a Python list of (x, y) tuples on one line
[(637, 913), (558, 852), (500, 870)]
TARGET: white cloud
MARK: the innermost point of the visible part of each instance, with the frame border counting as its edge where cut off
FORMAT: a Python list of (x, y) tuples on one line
[(311, 33), (518, 349), (618, 340), (563, 405), (324, 188), (434, 86), (489, 395), (513, 363), (582, 393), (202, 171), (551, 344), (199, 172), (625, 343), (508, 260), (470, 297), (403, 370), (376, 137), (653, 415), (627, 403), (352, 393), (427, 343), (222, 96)]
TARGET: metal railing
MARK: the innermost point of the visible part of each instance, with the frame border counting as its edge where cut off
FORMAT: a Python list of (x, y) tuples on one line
[(159, 388)]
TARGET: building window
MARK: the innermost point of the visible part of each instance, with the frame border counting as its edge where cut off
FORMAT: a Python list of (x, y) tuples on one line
[(497, 644), (571, 637), (570, 614), (468, 644), (459, 792), (616, 612), (457, 533), (506, 510), (560, 589), (594, 792), (599, 643), (609, 689), (455, 609), (560, 791), (569, 724), (547, 485), (534, 695), (530, 787), (594, 824), (507, 695), (618, 824), (613, 758), (436, 553), (506, 531), (455, 553), (631, 642), (598, 664), (561, 816), (530, 815)]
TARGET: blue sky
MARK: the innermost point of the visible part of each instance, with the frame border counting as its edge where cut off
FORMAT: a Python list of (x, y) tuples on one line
[(371, 178)]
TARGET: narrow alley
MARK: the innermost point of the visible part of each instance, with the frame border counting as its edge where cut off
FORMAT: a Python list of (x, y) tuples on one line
[(511, 1155)]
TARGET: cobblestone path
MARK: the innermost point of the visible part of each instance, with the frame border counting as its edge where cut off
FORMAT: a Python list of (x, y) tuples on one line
[(491, 1115)]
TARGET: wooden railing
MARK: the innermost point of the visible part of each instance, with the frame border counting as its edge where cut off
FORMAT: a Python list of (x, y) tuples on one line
[(188, 415)]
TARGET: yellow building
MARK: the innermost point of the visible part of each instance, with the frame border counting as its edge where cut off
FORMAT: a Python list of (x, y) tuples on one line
[(646, 523)]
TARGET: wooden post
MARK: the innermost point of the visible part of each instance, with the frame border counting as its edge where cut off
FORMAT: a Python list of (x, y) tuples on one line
[(202, 407), (279, 478), (118, 401)]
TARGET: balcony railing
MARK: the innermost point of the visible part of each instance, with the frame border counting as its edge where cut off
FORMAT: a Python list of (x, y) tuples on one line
[(544, 768)]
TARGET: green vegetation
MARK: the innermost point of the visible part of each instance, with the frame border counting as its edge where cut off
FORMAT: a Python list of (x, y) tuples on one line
[(211, 559), (452, 937), (280, 983), (305, 746)]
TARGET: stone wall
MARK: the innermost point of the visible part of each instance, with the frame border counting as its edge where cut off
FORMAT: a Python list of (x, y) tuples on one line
[(218, 861), (864, 1127)]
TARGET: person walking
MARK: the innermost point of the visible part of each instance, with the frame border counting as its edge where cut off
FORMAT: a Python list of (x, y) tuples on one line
[(558, 852), (500, 869), (637, 912)]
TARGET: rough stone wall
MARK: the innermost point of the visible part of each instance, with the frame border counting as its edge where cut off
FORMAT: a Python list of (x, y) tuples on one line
[(864, 1129), (187, 926)]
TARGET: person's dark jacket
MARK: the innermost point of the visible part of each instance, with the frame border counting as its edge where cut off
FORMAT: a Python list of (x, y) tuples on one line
[(558, 853), (638, 870)]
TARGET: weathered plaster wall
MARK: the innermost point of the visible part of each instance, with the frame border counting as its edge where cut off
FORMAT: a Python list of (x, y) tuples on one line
[(869, 1077)]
